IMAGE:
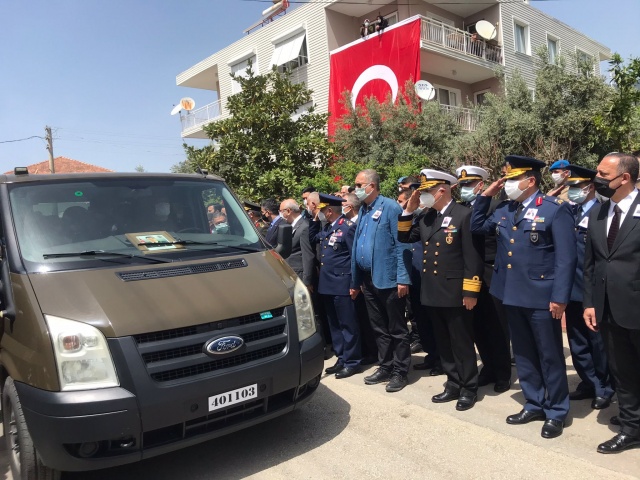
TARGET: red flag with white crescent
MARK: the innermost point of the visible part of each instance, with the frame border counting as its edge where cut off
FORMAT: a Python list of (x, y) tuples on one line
[(377, 65)]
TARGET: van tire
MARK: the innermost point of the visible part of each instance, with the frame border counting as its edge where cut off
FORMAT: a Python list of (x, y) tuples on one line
[(25, 464)]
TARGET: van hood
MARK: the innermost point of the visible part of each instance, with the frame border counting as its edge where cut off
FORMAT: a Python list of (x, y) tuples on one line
[(119, 308)]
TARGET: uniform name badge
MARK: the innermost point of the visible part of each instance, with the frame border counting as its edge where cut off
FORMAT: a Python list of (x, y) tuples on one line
[(636, 212), (376, 214), (531, 213), (446, 221), (585, 222)]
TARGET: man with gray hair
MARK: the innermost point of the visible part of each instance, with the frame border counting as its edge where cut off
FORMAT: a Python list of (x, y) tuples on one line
[(302, 255), (351, 207), (380, 267)]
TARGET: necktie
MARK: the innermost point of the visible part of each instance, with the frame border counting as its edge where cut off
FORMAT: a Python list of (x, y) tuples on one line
[(518, 212), (578, 215), (615, 226)]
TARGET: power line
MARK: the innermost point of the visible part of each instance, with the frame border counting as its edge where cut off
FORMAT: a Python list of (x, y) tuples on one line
[(22, 139)]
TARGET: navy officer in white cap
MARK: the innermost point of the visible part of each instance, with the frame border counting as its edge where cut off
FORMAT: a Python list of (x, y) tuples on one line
[(490, 327), (451, 279)]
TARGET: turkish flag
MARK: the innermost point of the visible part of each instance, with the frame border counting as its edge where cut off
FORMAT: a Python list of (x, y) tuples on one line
[(377, 65)]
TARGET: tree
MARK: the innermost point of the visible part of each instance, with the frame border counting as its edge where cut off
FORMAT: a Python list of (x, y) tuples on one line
[(140, 169), (266, 147)]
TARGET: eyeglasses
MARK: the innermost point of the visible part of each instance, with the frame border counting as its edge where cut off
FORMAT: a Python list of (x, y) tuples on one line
[(360, 185), (283, 210)]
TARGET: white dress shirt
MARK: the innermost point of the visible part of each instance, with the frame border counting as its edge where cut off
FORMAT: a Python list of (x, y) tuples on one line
[(624, 204)]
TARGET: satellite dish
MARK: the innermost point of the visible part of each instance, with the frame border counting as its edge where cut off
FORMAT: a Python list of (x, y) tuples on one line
[(486, 30), (187, 103), (425, 90), (176, 109)]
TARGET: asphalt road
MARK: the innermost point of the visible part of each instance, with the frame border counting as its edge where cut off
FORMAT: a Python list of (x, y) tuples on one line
[(353, 431)]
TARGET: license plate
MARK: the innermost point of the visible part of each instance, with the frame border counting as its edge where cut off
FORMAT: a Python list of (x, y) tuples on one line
[(239, 395)]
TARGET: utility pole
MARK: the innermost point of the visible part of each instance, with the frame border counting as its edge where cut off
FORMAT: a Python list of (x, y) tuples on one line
[(49, 139)]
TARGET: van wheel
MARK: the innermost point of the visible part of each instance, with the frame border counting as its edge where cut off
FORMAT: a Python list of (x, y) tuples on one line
[(23, 457)]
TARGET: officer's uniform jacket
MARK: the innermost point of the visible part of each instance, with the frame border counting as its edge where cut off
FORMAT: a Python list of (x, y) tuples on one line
[(452, 263), (335, 242), (581, 227), (536, 255)]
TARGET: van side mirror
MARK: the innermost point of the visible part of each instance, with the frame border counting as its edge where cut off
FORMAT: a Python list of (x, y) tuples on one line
[(285, 236)]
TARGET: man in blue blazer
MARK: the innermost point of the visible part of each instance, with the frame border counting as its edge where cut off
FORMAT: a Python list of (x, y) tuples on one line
[(381, 268), (533, 275)]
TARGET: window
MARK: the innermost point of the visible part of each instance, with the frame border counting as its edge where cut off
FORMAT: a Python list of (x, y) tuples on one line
[(552, 50), (447, 96), (240, 70), (391, 19), (291, 53), (521, 34), (481, 97), (532, 93)]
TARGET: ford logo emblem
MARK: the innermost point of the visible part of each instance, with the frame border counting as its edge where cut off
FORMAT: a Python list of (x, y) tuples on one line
[(223, 345)]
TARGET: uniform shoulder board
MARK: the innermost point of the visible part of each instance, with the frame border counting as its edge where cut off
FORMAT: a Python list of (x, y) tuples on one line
[(556, 200)]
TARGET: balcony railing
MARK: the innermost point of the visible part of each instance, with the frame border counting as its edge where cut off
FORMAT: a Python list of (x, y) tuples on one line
[(434, 31), (201, 116), (466, 118)]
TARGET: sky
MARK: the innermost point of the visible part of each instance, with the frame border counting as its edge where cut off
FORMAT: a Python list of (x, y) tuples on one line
[(102, 74)]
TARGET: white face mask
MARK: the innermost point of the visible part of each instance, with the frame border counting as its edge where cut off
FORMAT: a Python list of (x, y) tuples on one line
[(321, 217), (577, 194), (345, 210), (427, 199), (361, 193), (512, 190), (557, 178), (467, 195)]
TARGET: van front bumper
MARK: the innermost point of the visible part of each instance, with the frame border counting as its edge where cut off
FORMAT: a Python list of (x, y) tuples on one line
[(93, 429)]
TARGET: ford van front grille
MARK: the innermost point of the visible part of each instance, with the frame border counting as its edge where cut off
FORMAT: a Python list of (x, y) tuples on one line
[(178, 353), (130, 276)]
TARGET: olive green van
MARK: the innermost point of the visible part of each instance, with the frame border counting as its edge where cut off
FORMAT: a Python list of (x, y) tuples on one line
[(131, 326)]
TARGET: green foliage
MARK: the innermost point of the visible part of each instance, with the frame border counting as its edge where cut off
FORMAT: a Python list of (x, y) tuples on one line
[(260, 150)]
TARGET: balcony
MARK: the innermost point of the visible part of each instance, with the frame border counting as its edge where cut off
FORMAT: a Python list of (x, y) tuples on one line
[(454, 40), (193, 121), (466, 118)]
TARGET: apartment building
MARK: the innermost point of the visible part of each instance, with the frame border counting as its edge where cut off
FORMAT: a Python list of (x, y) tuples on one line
[(459, 64)]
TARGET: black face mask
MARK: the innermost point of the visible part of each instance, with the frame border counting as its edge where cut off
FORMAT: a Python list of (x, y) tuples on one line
[(602, 186), (265, 218)]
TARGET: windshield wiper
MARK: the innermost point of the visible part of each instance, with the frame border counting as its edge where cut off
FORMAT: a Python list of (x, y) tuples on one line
[(104, 253)]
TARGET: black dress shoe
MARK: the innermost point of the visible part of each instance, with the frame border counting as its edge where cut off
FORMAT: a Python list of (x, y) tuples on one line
[(435, 371), (336, 368), (599, 403), (502, 386), (446, 396), (619, 443), (466, 402), (552, 428), (416, 346), (525, 416), (397, 383), (348, 372), (581, 395), (614, 420), (378, 376)]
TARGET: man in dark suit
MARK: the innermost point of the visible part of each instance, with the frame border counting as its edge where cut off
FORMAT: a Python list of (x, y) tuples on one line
[(336, 241), (271, 215), (302, 256), (451, 280), (587, 348), (490, 327), (381, 269), (533, 274), (612, 287)]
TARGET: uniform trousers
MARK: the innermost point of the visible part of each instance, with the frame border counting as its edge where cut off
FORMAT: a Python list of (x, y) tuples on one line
[(623, 349), (587, 353), (386, 314), (453, 327), (343, 325), (537, 347), (424, 325)]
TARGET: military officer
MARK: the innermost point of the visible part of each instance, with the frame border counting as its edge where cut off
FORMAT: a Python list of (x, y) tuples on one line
[(533, 274), (490, 328), (254, 212), (587, 347), (336, 241), (451, 280)]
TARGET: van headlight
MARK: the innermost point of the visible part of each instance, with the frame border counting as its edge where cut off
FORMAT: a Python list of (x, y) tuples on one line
[(304, 311), (82, 355)]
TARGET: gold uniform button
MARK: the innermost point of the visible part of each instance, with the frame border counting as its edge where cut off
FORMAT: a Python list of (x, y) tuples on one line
[(514, 228), (510, 254), (321, 264), (424, 270), (436, 254), (509, 266), (425, 252), (426, 243), (424, 261), (437, 244), (435, 263), (512, 241), (435, 272), (541, 276)]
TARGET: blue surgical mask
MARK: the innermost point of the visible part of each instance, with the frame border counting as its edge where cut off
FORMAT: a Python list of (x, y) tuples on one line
[(577, 195), (360, 193), (222, 228), (467, 195)]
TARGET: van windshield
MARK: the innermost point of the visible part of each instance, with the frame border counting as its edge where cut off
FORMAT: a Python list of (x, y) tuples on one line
[(64, 225)]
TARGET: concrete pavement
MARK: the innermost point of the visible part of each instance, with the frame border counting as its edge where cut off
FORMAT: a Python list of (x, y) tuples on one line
[(351, 430)]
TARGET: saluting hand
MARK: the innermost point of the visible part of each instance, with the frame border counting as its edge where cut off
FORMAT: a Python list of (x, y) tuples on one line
[(590, 319), (469, 302), (494, 188), (414, 202), (557, 309)]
